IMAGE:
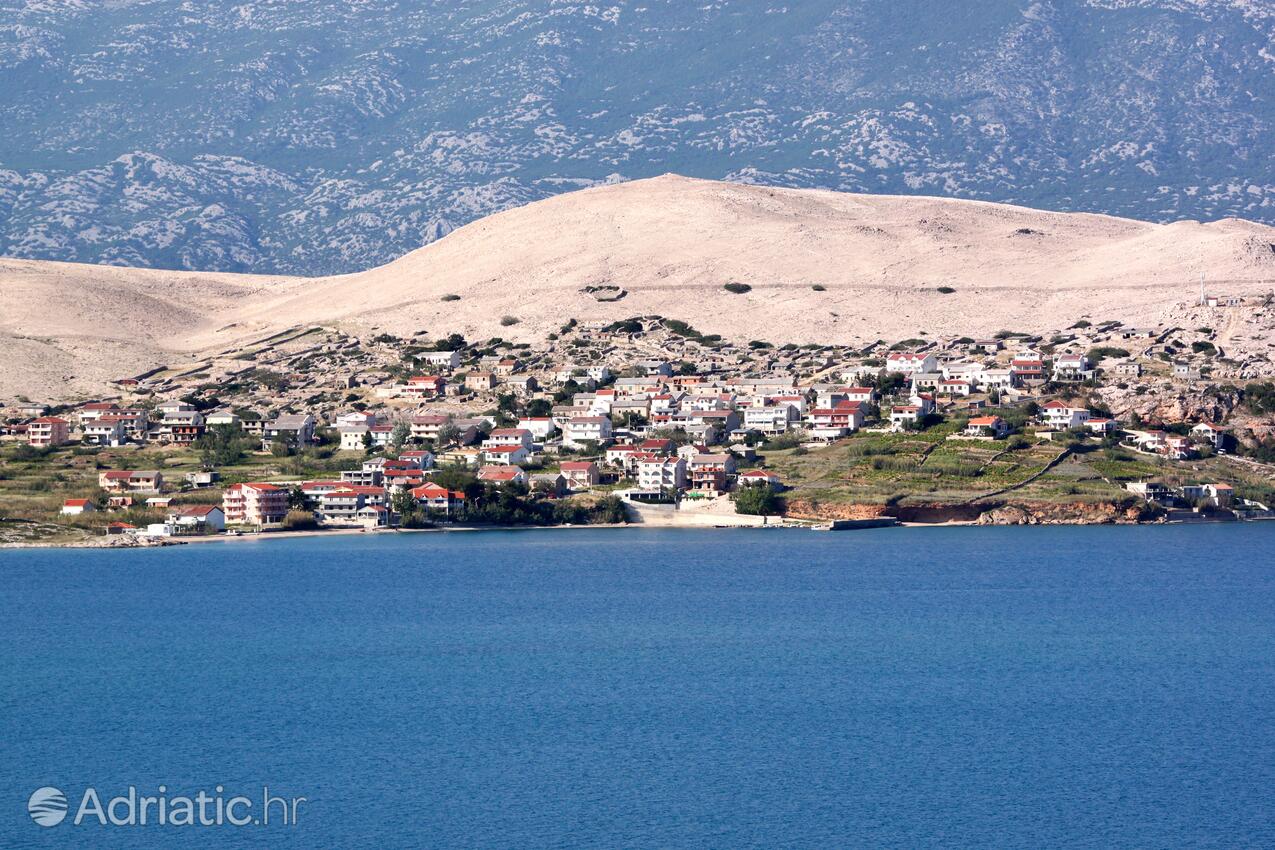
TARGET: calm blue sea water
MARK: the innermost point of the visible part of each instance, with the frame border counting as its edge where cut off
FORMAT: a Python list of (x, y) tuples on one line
[(998, 687)]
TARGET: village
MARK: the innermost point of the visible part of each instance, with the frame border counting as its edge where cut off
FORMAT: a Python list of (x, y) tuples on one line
[(648, 421)]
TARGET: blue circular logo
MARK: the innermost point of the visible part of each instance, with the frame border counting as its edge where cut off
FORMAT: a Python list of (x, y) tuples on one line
[(47, 806)]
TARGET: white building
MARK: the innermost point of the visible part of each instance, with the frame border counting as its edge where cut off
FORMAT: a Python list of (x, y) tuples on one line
[(580, 430), (1060, 415), (910, 363), (661, 473)]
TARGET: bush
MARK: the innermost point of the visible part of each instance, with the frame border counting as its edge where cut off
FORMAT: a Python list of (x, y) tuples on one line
[(609, 510), (451, 298), (1103, 352), (819, 287), (756, 501), (737, 288), (1260, 397), (506, 321), (946, 290), (299, 521)]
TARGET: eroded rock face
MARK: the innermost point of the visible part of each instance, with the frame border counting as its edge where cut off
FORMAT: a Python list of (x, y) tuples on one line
[(1076, 513), (1029, 513), (1166, 402), (806, 509)]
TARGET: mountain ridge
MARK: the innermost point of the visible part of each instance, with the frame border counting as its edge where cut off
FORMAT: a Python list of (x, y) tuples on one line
[(327, 137)]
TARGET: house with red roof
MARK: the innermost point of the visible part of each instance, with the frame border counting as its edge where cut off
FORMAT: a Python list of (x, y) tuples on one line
[(423, 386), (501, 475), (986, 426), (48, 431), (580, 474), (436, 498), (131, 481), (833, 423), (254, 503), (197, 519), (73, 507), (759, 478)]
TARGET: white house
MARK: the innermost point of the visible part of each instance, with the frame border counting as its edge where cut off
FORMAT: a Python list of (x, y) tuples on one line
[(1072, 367), (198, 519), (909, 362), (580, 430), (355, 419), (660, 473), (540, 427), (444, 359), (1061, 415), (73, 507), (986, 426), (506, 455), (905, 415), (509, 437)]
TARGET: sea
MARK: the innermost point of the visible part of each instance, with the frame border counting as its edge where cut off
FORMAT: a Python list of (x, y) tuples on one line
[(1046, 687)]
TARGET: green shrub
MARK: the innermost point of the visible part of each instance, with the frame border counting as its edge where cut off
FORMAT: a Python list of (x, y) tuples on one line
[(1104, 352), (946, 290), (737, 288), (757, 501), (451, 298), (299, 521)]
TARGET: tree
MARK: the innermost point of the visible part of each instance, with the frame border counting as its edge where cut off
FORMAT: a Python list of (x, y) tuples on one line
[(399, 436), (448, 434), (404, 504), (220, 445), (298, 500), (539, 407), (756, 501), (610, 510), (453, 342), (454, 476), (369, 445)]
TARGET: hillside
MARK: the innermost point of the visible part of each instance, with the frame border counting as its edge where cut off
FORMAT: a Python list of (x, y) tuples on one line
[(670, 244), (326, 137)]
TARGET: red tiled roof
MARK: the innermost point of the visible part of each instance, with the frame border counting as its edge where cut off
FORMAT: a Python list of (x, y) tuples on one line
[(499, 473), (197, 510)]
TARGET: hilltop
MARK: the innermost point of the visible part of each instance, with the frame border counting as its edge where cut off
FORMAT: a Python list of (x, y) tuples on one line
[(819, 266)]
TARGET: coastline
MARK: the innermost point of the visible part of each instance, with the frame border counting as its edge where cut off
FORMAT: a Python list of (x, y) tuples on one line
[(256, 537)]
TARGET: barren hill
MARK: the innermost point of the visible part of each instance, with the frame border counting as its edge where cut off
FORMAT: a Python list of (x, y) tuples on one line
[(669, 245)]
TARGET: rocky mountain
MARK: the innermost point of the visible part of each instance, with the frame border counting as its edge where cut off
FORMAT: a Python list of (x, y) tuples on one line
[(321, 137)]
